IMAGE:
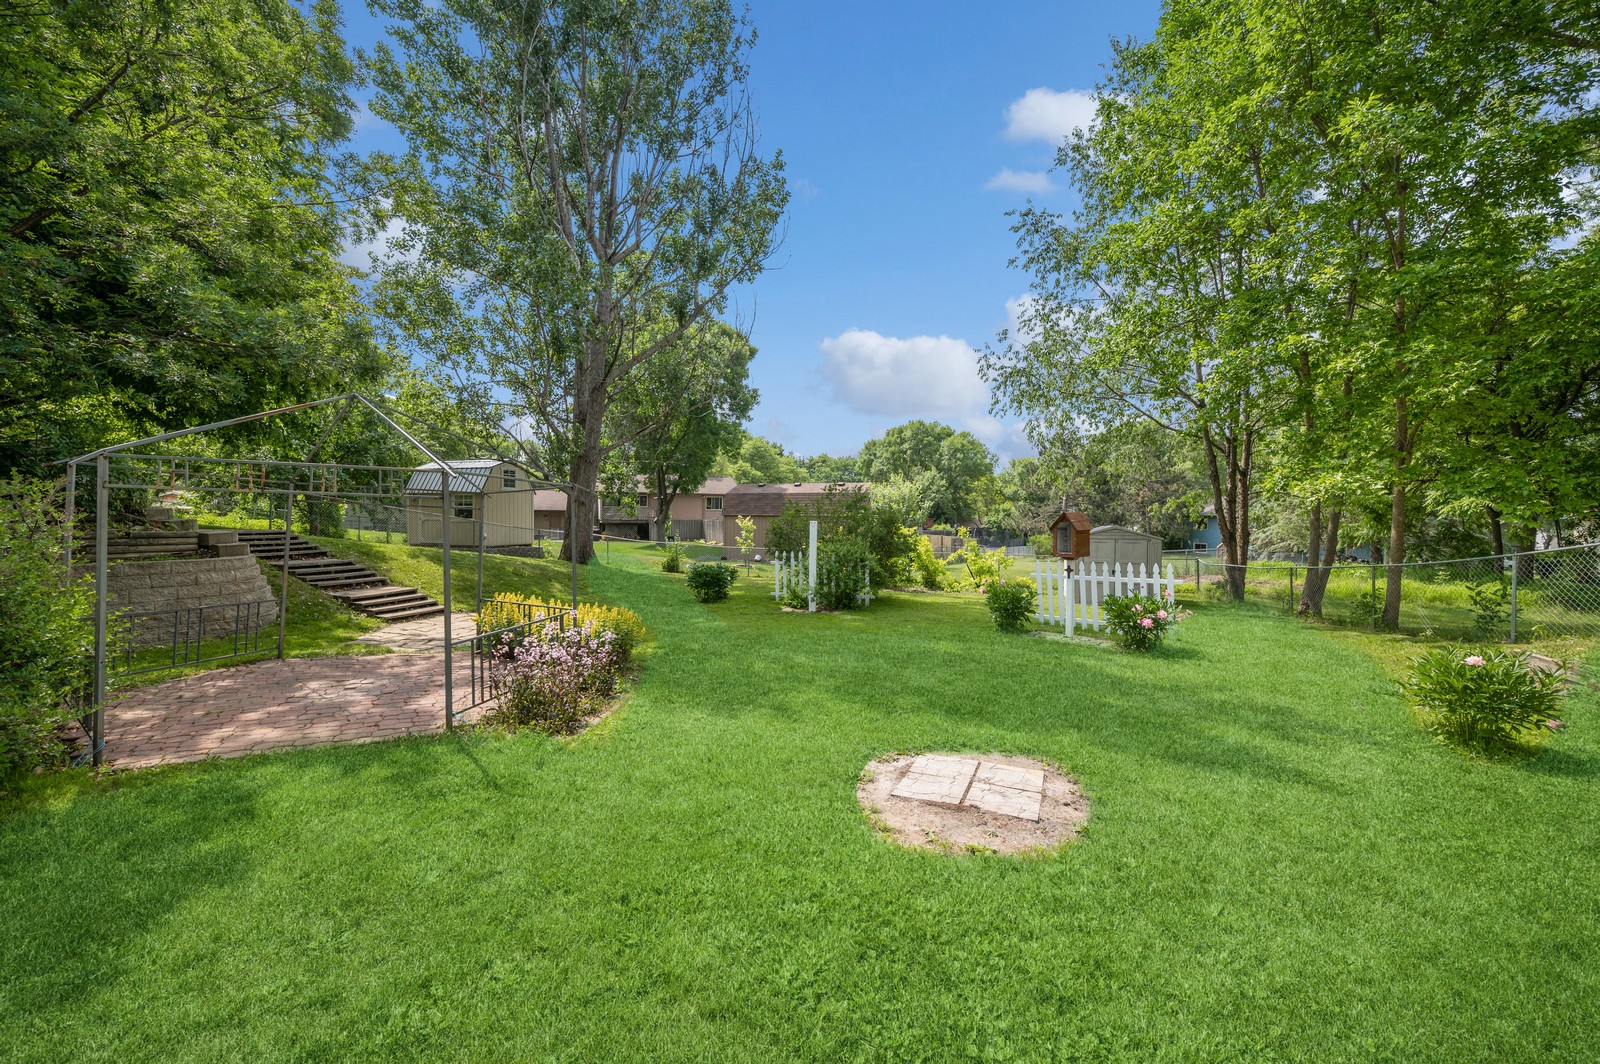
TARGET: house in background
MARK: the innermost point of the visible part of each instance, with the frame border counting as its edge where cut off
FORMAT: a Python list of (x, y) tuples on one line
[(487, 497), (762, 502), (1207, 538), (695, 515)]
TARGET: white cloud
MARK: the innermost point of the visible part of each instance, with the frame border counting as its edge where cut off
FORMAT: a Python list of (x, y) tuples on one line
[(1018, 310), (925, 376), (1009, 180), (1048, 115), (804, 189)]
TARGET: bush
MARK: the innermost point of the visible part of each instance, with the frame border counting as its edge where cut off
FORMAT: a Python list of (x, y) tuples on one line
[(554, 678), (794, 597), (710, 581), (1043, 544), (842, 574), (1482, 700), (625, 626), (1010, 603), (983, 566), (846, 513), (672, 557), (927, 569), (1140, 621), (1491, 607), (46, 630)]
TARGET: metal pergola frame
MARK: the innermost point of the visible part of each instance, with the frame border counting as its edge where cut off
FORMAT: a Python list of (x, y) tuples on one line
[(327, 472)]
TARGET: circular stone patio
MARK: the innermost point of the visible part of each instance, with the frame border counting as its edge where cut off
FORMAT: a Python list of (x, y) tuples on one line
[(955, 802)]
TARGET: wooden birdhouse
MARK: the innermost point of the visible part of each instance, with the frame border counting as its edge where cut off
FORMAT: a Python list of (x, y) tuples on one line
[(1070, 533)]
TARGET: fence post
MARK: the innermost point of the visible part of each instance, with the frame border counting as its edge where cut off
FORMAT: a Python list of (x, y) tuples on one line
[(1514, 568), (811, 567), (1372, 570)]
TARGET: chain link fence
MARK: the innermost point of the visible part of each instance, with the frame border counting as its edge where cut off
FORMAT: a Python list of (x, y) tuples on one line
[(1546, 597)]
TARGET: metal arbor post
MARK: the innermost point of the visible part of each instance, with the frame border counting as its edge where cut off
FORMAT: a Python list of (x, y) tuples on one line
[(444, 543), (102, 491)]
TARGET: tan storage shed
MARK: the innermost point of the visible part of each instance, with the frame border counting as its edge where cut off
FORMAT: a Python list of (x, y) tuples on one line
[(1116, 545)]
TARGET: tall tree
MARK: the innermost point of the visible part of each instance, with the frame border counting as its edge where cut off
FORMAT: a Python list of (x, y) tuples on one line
[(683, 411), (1159, 300), (576, 174), (168, 250)]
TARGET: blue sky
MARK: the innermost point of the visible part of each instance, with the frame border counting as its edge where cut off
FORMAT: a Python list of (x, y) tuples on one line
[(908, 131)]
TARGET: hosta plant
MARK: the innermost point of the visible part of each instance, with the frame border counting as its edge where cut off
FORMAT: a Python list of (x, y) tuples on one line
[(1483, 700), (1141, 621)]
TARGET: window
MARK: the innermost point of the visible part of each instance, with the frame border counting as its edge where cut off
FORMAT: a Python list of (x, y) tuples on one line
[(713, 504), (644, 500), (1201, 548), (464, 506), (508, 479)]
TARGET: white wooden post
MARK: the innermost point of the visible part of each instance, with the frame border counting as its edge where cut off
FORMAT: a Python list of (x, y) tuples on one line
[(811, 564)]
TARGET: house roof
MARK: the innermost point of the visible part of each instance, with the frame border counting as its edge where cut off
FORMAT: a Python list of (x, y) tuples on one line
[(545, 499), (466, 475), (768, 500)]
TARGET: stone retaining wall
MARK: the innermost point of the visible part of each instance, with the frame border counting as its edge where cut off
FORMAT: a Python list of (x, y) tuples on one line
[(186, 583)]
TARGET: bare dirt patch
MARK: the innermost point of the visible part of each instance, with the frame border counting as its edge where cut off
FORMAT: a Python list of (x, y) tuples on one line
[(958, 802)]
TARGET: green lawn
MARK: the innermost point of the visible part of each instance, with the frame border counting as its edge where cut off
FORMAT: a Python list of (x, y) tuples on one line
[(1278, 866)]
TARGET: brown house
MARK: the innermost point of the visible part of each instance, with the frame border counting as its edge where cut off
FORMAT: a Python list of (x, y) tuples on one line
[(763, 502), (695, 515)]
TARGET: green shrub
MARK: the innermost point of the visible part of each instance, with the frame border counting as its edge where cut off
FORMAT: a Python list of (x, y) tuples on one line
[(846, 513), (842, 574), (46, 630), (1482, 700), (982, 565), (1010, 603), (1491, 607), (926, 568), (1140, 621), (1043, 545), (710, 581), (794, 597), (672, 557)]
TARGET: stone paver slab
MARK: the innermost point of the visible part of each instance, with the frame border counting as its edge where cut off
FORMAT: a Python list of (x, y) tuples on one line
[(1008, 801), (937, 778), (1017, 779)]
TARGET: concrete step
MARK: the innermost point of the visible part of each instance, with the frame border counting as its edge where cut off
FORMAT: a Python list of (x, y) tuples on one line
[(323, 583), (406, 615), (377, 594)]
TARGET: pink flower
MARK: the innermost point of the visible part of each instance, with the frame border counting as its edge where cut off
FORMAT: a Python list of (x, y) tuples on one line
[(1137, 608), (1473, 660), (1162, 614), (1555, 725), (1147, 622)]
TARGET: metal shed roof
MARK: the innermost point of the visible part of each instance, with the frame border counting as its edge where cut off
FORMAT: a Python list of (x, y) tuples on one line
[(467, 476)]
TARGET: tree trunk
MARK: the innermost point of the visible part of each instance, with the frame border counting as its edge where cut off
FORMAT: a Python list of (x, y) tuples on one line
[(663, 521), (588, 415), (1316, 585), (1393, 572), (1497, 533)]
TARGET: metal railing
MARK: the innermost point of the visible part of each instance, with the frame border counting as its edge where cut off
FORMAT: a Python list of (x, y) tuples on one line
[(156, 640), (485, 675), (1545, 596)]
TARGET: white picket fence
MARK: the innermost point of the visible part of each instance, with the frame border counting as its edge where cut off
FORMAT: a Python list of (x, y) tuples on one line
[(799, 569), (1072, 593)]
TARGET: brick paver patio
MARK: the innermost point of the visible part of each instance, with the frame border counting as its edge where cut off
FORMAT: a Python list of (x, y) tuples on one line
[(275, 704)]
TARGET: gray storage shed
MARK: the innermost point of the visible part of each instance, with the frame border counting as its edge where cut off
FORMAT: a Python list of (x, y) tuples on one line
[(1119, 546)]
